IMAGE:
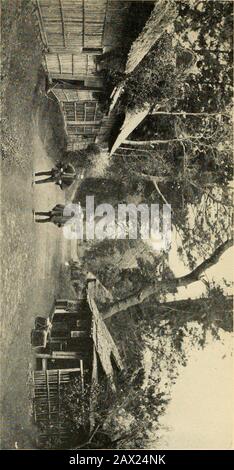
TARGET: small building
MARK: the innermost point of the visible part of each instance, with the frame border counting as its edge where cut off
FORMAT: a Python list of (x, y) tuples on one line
[(75, 33), (72, 342)]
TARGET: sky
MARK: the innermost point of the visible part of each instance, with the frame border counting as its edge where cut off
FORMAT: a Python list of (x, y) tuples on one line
[(200, 414), (222, 270)]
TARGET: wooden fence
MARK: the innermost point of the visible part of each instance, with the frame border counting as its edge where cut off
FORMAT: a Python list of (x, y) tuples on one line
[(47, 403)]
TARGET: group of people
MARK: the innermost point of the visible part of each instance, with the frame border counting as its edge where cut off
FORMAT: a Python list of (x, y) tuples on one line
[(63, 175)]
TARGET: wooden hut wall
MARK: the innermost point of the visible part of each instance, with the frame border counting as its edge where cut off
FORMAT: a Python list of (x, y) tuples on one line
[(76, 66), (72, 95), (81, 115), (75, 33), (79, 111), (62, 23), (89, 130), (94, 23), (72, 24)]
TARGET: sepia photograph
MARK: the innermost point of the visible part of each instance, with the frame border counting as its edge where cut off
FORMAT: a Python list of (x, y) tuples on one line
[(116, 228)]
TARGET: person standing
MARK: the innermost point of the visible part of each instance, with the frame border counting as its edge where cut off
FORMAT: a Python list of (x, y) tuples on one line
[(67, 176), (56, 216), (63, 175)]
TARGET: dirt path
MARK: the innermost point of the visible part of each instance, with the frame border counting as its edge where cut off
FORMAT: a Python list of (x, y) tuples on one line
[(32, 256)]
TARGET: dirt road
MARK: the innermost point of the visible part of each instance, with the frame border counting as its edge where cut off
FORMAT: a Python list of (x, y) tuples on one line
[(31, 260), (31, 254)]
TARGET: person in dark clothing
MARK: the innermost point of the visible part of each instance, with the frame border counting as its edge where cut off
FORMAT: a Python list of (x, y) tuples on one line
[(63, 174), (56, 216)]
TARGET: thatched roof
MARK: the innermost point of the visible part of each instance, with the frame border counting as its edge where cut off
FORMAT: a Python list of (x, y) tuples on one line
[(132, 120), (160, 19), (104, 344)]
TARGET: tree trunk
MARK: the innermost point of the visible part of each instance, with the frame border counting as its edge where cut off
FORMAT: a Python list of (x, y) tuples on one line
[(167, 141), (216, 312), (161, 286), (185, 114)]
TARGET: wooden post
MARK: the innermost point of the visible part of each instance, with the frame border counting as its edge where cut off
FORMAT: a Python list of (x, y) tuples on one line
[(64, 355), (92, 51), (48, 393), (41, 24), (82, 374), (63, 24), (43, 356), (84, 123)]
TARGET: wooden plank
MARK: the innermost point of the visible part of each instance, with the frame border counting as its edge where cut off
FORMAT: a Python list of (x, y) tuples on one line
[(95, 112), (75, 110), (42, 356), (48, 392), (73, 369), (83, 25), (44, 364), (60, 310), (69, 76), (82, 374), (41, 23), (59, 396), (85, 112), (63, 24), (72, 64), (64, 355), (59, 62), (84, 123), (104, 23)]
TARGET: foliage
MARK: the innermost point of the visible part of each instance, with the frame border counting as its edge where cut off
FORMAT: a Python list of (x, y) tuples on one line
[(82, 159), (122, 265), (154, 79), (194, 318), (118, 418), (206, 27), (75, 407)]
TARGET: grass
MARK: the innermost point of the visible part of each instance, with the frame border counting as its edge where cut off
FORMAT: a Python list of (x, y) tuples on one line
[(21, 54)]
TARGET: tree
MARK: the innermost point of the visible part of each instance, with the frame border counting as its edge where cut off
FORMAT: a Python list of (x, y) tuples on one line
[(154, 79), (122, 265), (201, 99), (212, 312), (189, 180), (160, 287), (206, 27), (82, 159), (96, 418)]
